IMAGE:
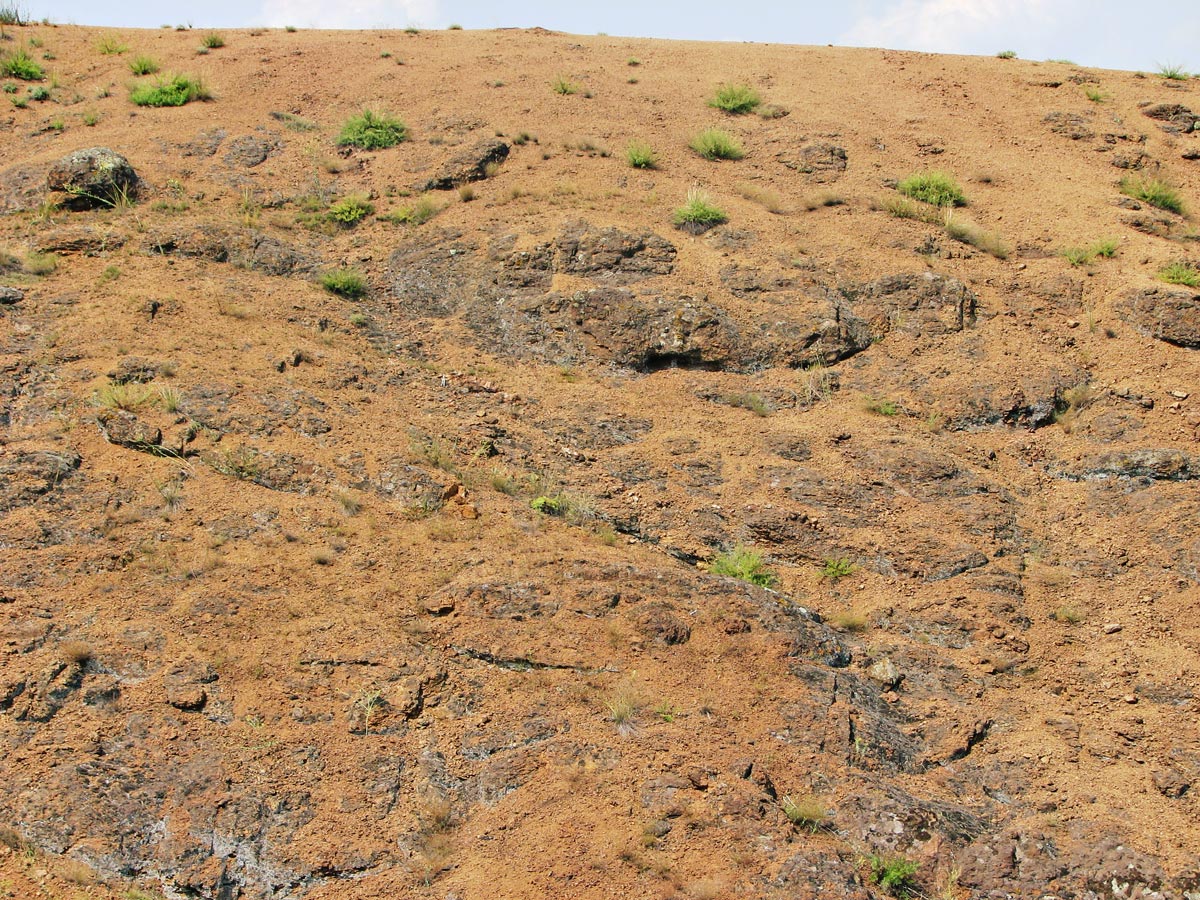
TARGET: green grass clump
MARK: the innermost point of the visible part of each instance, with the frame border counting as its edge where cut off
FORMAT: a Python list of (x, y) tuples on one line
[(640, 155), (174, 91), (372, 131), (1154, 191), (563, 86), (1007, 54), (111, 46), (698, 213), (417, 214), (1180, 273), (1080, 256), (1095, 94), (894, 874), (11, 14), (1174, 72), (345, 283), (937, 188), (744, 563), (833, 568), (351, 210), (143, 65), (735, 98), (712, 143), (807, 812), (970, 233), (19, 64), (212, 41)]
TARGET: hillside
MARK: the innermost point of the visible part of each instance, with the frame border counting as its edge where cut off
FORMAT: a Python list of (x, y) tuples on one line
[(440, 520)]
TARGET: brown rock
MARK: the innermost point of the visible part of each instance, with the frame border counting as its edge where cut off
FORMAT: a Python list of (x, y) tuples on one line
[(1168, 314), (470, 165)]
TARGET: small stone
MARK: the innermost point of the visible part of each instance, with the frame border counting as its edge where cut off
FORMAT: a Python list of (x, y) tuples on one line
[(885, 672), (1130, 698), (1113, 628), (1179, 395)]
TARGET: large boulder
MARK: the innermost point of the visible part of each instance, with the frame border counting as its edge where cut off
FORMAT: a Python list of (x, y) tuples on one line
[(94, 177)]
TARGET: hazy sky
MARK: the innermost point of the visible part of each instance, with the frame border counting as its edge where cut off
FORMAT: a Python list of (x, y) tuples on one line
[(1106, 33)]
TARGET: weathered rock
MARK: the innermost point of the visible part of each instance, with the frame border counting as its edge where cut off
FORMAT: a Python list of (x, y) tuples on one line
[(1071, 125), (1156, 465), (94, 177), (209, 242), (10, 296), (78, 239), (1171, 783), (1164, 313), (1174, 118), (822, 162), (918, 304), (470, 165), (885, 672), (123, 428), (27, 475), (612, 253), (133, 370), (249, 250), (248, 151), (662, 624), (205, 143), (22, 188)]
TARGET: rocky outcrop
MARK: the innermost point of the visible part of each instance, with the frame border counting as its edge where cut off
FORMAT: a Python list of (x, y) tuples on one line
[(246, 249), (96, 177), (1167, 314), (473, 164), (1173, 117), (821, 162), (78, 239)]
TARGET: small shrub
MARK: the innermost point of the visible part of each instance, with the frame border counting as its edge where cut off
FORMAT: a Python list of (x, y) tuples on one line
[(349, 211), (936, 188), (849, 620), (712, 143), (90, 118), (807, 812), (293, 122), (767, 199), (11, 14), (1106, 247), (20, 64), (735, 98), (174, 91), (1068, 614), (372, 131), (894, 874), (1180, 273), (633, 61), (981, 238), (834, 568), (756, 403), (1079, 256), (111, 46), (1154, 191), (563, 86), (698, 214), (212, 41), (41, 263), (345, 283), (130, 396), (881, 407), (40, 94), (640, 155), (1095, 94), (744, 563), (1007, 54), (454, 26), (290, 29), (773, 111), (416, 214), (1174, 72), (143, 65)]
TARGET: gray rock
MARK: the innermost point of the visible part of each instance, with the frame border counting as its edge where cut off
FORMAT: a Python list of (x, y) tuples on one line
[(10, 295), (93, 177), (80, 239), (1071, 125), (248, 151), (470, 165), (1164, 313), (1174, 118), (885, 672), (123, 428), (821, 162)]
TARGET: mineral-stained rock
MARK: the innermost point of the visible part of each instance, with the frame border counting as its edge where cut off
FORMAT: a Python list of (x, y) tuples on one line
[(78, 239), (612, 253), (1156, 465), (133, 370), (1165, 313), (94, 177), (122, 427), (470, 165), (918, 304), (248, 249), (1175, 118)]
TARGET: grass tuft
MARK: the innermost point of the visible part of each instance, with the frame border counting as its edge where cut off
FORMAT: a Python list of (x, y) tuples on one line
[(111, 46), (698, 213), (212, 41), (1154, 191), (737, 99), (563, 86), (19, 64), (1174, 72), (143, 65), (640, 155), (744, 563), (174, 91), (1180, 273), (712, 143), (345, 283), (372, 131), (937, 188), (351, 210)]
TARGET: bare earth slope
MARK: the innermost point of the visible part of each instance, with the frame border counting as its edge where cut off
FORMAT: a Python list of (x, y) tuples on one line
[(409, 595)]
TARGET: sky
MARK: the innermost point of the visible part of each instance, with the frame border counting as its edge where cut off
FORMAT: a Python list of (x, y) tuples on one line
[(1104, 33)]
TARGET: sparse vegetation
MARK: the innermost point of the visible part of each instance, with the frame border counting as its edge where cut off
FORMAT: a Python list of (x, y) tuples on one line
[(19, 64), (735, 98), (111, 46), (1079, 256), (563, 86), (174, 91), (143, 65), (895, 874), (1007, 54), (1095, 94), (834, 568), (969, 233), (805, 812), (372, 131), (640, 155), (293, 122), (1174, 72), (698, 213), (416, 213), (346, 283), (881, 407), (351, 210), (1154, 191), (212, 41), (1067, 614), (712, 143), (936, 188), (744, 563), (1180, 273)]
